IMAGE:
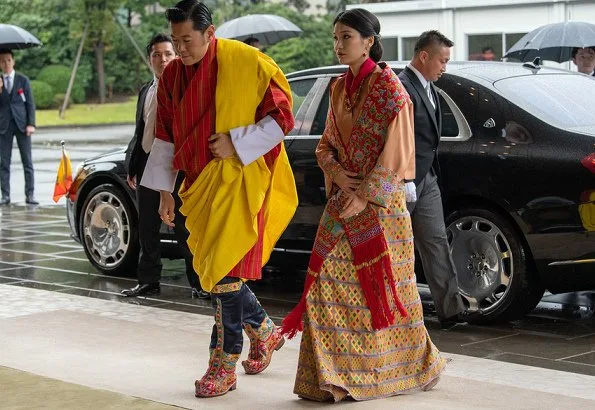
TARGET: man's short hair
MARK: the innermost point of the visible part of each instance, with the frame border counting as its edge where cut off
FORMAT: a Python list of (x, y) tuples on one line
[(251, 40), (158, 38), (431, 38), (6, 51), (576, 49), (190, 10), (487, 49)]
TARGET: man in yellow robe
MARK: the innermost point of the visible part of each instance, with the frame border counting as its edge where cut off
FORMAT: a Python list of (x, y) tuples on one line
[(223, 109)]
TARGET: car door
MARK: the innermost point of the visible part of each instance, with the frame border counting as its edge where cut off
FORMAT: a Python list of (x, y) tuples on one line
[(309, 94)]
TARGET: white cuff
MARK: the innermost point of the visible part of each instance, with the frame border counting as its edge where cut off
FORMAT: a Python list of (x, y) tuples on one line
[(159, 173), (253, 141)]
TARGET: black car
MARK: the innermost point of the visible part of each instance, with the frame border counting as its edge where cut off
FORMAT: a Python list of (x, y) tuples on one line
[(517, 163)]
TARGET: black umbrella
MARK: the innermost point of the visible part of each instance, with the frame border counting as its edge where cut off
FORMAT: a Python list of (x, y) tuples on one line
[(553, 42), (12, 37)]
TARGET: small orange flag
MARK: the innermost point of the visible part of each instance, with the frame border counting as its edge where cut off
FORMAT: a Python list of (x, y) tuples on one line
[(64, 176)]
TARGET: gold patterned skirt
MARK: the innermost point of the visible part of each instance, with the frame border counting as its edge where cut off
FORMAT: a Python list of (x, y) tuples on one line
[(340, 353)]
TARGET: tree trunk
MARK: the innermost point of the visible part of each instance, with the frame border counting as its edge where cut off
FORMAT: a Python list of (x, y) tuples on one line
[(99, 48), (73, 73)]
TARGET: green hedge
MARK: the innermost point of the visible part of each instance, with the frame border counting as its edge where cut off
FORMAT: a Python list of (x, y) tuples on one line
[(58, 77), (43, 94)]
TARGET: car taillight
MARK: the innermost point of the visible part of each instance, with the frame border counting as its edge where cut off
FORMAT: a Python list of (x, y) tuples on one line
[(589, 162)]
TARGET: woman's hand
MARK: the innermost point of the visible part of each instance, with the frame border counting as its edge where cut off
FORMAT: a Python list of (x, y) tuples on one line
[(347, 181), (353, 206), (167, 207)]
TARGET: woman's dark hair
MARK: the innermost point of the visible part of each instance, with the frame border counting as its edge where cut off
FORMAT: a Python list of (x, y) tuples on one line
[(366, 24), (158, 38), (193, 10)]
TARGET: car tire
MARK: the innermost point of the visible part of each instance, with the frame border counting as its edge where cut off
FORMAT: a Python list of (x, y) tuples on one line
[(493, 267), (108, 224)]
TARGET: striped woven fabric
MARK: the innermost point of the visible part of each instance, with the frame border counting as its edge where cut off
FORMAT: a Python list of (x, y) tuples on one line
[(340, 353)]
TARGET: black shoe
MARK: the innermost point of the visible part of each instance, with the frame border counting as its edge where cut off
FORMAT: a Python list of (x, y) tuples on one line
[(200, 294), (143, 290), (31, 200), (5, 201), (447, 323), (460, 318)]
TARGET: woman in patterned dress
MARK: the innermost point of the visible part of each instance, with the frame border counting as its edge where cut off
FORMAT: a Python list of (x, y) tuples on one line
[(363, 329)]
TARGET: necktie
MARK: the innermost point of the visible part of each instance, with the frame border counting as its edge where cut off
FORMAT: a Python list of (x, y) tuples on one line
[(7, 84), (430, 96)]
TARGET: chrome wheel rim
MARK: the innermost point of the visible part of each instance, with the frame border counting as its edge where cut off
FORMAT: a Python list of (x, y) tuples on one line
[(483, 259), (106, 229)]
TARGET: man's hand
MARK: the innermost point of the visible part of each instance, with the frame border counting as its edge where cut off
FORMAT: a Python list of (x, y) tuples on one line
[(1, 83), (29, 130), (167, 208), (221, 146), (131, 181), (346, 181), (353, 206)]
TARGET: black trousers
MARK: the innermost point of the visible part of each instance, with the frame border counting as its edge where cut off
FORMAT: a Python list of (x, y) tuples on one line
[(24, 144), (149, 224)]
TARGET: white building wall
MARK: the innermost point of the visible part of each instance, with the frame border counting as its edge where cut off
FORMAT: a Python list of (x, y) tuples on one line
[(458, 19)]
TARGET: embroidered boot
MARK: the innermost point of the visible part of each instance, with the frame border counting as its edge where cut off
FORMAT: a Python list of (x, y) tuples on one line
[(220, 377), (263, 342)]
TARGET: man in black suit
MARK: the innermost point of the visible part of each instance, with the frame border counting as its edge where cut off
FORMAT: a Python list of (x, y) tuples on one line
[(17, 117), (431, 54), (160, 51)]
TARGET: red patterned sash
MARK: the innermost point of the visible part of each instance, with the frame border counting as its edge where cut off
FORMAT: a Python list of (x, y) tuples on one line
[(194, 115), (371, 255)]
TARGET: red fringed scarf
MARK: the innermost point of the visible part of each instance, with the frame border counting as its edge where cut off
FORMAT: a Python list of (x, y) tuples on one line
[(366, 237)]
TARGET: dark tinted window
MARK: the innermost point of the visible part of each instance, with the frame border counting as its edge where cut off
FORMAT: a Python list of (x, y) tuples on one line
[(320, 118), (299, 91), (450, 128)]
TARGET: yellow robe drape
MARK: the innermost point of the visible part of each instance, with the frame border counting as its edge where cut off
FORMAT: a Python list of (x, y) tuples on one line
[(222, 205)]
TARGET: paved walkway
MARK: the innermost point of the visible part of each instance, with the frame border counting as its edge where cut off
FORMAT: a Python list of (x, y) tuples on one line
[(113, 355)]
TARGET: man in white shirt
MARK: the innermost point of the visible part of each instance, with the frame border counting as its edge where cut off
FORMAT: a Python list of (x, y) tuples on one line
[(431, 55), (160, 51)]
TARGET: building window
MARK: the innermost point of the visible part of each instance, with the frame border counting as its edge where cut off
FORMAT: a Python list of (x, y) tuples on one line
[(510, 39), (479, 42), (479, 45), (408, 47), (391, 48)]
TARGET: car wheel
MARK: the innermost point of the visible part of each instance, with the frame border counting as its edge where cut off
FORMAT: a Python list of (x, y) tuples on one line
[(108, 227), (492, 268)]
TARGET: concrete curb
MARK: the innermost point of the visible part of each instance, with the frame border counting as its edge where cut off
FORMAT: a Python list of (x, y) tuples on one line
[(74, 126)]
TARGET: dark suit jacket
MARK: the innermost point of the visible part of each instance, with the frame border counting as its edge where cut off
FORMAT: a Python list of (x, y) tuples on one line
[(136, 157), (12, 106), (427, 124)]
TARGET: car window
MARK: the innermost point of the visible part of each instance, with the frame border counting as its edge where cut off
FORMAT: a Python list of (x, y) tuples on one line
[(450, 128), (299, 91), (563, 100), (320, 118)]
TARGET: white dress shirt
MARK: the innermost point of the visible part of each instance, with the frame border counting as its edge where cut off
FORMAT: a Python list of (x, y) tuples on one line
[(424, 83), (10, 82), (149, 115)]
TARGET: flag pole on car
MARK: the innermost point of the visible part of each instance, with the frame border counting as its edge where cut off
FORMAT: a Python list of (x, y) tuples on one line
[(64, 175)]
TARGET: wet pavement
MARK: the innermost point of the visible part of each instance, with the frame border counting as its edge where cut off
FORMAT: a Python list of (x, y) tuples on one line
[(36, 251)]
